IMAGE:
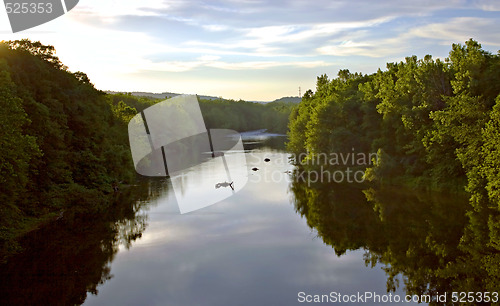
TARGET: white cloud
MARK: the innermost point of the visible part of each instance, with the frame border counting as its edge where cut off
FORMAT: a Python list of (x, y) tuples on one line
[(454, 30), (115, 8), (237, 47), (488, 5), (366, 47), (120, 42), (269, 38), (461, 29), (283, 40), (209, 58), (346, 48), (213, 62), (251, 65), (215, 27)]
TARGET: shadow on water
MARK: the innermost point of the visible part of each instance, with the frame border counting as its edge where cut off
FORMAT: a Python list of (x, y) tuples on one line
[(63, 261), (66, 259), (434, 243), (428, 239), (277, 143)]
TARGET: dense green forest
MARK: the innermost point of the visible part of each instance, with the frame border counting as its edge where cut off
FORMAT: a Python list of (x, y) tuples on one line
[(78, 255), (424, 242), (246, 116), (220, 113), (433, 123), (65, 143)]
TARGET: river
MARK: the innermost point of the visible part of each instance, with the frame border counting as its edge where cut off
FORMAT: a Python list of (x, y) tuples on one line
[(275, 242)]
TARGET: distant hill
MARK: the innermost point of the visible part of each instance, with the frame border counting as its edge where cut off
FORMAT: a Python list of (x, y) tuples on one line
[(166, 95), (289, 100), (163, 95)]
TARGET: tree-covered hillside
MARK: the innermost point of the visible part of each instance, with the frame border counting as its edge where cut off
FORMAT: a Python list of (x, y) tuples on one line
[(63, 142), (246, 116), (431, 121), (434, 123)]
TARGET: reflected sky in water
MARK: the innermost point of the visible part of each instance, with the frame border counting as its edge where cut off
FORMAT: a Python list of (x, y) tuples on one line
[(249, 249)]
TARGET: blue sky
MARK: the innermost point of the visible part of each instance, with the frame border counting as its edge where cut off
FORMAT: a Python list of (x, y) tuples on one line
[(253, 50)]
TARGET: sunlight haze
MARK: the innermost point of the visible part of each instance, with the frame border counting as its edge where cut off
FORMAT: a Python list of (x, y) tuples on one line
[(253, 50)]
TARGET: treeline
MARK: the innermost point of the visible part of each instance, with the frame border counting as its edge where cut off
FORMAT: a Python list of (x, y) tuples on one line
[(426, 243), (76, 254), (63, 142), (434, 123), (246, 116), (220, 113)]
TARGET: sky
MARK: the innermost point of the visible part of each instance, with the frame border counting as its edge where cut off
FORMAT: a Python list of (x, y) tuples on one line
[(253, 50)]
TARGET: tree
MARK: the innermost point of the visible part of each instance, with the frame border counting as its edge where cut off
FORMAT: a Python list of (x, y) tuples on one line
[(18, 149), (44, 52)]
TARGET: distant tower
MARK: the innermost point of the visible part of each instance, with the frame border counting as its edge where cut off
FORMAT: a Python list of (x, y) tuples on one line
[(300, 94)]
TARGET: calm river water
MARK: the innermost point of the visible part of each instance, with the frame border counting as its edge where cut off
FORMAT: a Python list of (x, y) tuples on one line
[(275, 242)]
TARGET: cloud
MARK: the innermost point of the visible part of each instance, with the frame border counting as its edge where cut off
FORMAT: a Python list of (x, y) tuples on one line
[(251, 65), (115, 8), (156, 43), (209, 58), (453, 30), (231, 14), (349, 48), (299, 33), (461, 29), (215, 27), (488, 5), (299, 40), (281, 28), (213, 62)]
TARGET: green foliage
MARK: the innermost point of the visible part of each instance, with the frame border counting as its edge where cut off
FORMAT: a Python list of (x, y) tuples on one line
[(435, 124), (425, 116), (45, 52), (490, 167), (18, 149), (78, 252), (63, 142), (299, 117), (427, 240), (220, 113), (123, 112), (246, 116), (134, 102)]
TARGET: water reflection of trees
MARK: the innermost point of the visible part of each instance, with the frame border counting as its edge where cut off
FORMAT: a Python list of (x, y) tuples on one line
[(66, 259), (437, 243), (270, 143)]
